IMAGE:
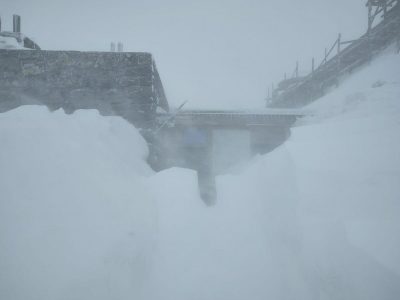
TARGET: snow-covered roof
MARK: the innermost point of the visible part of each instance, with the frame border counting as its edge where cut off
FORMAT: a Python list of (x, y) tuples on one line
[(16, 40), (9, 42)]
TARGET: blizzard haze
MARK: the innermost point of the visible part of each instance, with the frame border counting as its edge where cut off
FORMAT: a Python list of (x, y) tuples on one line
[(84, 217), (216, 54)]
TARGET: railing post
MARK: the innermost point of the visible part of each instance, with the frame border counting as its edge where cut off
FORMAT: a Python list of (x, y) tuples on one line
[(369, 46), (0, 23), (369, 15), (312, 66), (112, 47), (398, 43), (384, 9), (297, 69), (338, 52)]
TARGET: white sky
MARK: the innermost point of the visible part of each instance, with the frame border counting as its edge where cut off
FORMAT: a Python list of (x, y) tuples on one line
[(214, 53)]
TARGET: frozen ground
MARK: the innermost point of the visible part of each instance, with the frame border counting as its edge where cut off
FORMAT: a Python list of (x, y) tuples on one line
[(83, 217)]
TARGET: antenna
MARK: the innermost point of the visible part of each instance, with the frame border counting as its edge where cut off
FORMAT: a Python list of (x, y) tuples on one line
[(171, 117), (16, 23), (120, 47)]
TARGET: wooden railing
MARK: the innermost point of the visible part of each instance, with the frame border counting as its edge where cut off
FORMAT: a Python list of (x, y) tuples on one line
[(342, 59)]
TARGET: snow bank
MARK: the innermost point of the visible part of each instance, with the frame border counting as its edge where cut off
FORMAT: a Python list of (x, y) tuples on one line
[(76, 220), (348, 173), (348, 165), (246, 247), (315, 219)]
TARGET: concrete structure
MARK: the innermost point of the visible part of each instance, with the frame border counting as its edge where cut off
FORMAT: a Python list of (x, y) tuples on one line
[(128, 85), (123, 84), (190, 130), (212, 142)]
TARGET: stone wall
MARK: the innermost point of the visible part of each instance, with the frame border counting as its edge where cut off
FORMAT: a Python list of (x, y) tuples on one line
[(123, 84)]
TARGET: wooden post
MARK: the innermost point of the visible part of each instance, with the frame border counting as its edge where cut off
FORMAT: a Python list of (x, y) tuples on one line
[(369, 15), (369, 48), (338, 52), (312, 66), (16, 23), (384, 9), (398, 43)]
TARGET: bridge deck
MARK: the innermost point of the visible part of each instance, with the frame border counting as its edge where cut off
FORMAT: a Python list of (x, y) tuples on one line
[(230, 118)]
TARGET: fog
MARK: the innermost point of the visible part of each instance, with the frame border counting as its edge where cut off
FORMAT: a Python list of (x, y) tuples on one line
[(83, 216), (213, 53)]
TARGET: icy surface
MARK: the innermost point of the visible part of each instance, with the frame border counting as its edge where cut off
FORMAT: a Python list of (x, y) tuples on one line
[(315, 219), (83, 217)]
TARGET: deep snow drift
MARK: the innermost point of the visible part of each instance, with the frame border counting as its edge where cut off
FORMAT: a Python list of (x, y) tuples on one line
[(75, 216), (83, 217)]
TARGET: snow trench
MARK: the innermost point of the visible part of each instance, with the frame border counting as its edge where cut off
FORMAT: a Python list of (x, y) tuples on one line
[(82, 216)]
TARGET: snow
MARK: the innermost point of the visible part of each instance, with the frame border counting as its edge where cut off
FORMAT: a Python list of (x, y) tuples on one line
[(9, 43), (75, 216), (315, 219), (83, 217), (353, 177)]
